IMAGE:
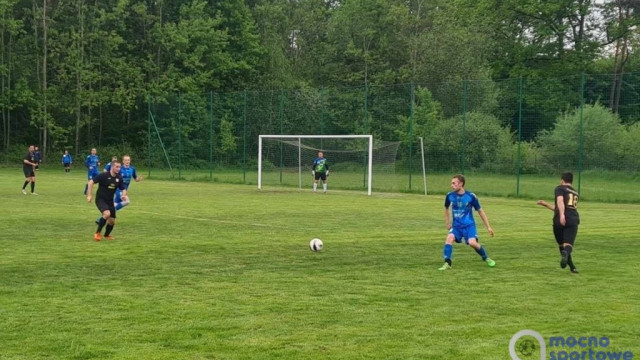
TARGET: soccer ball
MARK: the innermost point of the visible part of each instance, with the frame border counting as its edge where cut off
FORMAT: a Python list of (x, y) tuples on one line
[(315, 244)]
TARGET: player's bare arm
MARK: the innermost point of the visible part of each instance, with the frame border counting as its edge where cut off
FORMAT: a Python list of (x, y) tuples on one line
[(485, 220), (560, 205), (546, 204), (447, 219), (89, 190)]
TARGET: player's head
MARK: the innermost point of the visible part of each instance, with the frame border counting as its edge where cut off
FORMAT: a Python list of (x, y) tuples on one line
[(36, 148), (460, 179), (65, 152), (31, 147), (567, 178), (320, 154), (114, 158), (115, 167), (126, 160), (94, 151)]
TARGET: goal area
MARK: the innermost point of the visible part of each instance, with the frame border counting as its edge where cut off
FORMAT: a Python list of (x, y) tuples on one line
[(287, 160)]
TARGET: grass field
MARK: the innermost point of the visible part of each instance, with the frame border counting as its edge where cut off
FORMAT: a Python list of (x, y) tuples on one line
[(218, 271)]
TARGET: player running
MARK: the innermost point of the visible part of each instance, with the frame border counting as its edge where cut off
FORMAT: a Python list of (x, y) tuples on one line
[(92, 162), (108, 182)]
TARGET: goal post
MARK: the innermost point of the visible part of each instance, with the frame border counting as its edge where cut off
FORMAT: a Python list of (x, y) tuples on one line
[(283, 157)]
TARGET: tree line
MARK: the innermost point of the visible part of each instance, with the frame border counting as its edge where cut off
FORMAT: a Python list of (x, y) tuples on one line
[(80, 73)]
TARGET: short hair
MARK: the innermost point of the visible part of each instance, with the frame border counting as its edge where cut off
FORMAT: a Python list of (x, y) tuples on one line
[(460, 178), (567, 177)]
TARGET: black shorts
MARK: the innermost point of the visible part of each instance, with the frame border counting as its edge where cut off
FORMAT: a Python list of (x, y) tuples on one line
[(321, 175), (565, 234), (28, 173), (106, 205), (66, 165)]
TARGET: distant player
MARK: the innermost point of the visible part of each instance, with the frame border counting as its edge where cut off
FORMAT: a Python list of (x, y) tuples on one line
[(66, 161), (38, 157), (128, 173), (92, 162), (108, 166), (108, 182), (462, 204), (565, 219), (28, 167), (320, 171)]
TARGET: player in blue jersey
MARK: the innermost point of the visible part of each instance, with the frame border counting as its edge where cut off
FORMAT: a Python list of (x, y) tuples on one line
[(320, 171), (462, 204), (66, 161), (565, 219), (128, 173), (92, 162), (108, 166)]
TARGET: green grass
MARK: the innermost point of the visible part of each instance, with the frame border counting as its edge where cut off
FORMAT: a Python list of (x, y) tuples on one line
[(219, 271)]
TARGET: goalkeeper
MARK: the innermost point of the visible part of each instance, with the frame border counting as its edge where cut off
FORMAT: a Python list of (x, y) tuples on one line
[(320, 170)]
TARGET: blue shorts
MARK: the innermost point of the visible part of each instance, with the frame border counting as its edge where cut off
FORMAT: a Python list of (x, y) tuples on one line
[(92, 173), (466, 233)]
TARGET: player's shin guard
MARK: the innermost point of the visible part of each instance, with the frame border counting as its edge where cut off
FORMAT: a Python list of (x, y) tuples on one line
[(101, 223), (482, 253), (448, 251)]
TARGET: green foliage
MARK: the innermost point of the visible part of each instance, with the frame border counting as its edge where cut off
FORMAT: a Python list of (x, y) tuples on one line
[(579, 137)]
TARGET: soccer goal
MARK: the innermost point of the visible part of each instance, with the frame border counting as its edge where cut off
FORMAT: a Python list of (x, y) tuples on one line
[(286, 160)]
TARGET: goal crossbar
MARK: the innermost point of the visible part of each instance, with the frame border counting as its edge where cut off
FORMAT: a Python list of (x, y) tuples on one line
[(299, 137)]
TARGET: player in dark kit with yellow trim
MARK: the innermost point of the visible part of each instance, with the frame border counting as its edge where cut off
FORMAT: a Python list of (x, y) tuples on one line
[(109, 181), (565, 219)]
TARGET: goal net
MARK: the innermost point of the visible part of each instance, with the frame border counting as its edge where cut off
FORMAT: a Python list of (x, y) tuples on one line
[(355, 161)]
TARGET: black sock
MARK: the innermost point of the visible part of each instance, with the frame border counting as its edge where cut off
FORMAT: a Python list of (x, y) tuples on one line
[(24, 186), (561, 248), (448, 261), (33, 186), (101, 223), (108, 230), (568, 249), (570, 263)]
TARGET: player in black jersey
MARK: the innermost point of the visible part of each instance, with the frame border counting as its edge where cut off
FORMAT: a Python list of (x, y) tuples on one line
[(109, 181), (565, 219)]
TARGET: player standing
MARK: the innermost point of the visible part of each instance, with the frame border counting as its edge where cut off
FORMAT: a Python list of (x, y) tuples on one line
[(29, 164), (66, 161), (462, 204), (565, 219), (92, 162), (108, 182), (320, 170)]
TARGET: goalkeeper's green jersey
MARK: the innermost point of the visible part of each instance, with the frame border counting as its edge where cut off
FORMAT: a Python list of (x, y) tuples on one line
[(320, 165)]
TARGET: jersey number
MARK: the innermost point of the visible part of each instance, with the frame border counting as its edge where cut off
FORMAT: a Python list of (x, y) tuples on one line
[(572, 201)]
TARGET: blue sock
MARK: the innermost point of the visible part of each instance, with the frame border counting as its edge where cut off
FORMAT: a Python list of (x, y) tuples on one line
[(119, 206), (448, 250), (482, 253)]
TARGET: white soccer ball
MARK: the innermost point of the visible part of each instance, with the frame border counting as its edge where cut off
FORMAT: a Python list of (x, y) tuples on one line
[(315, 244)]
